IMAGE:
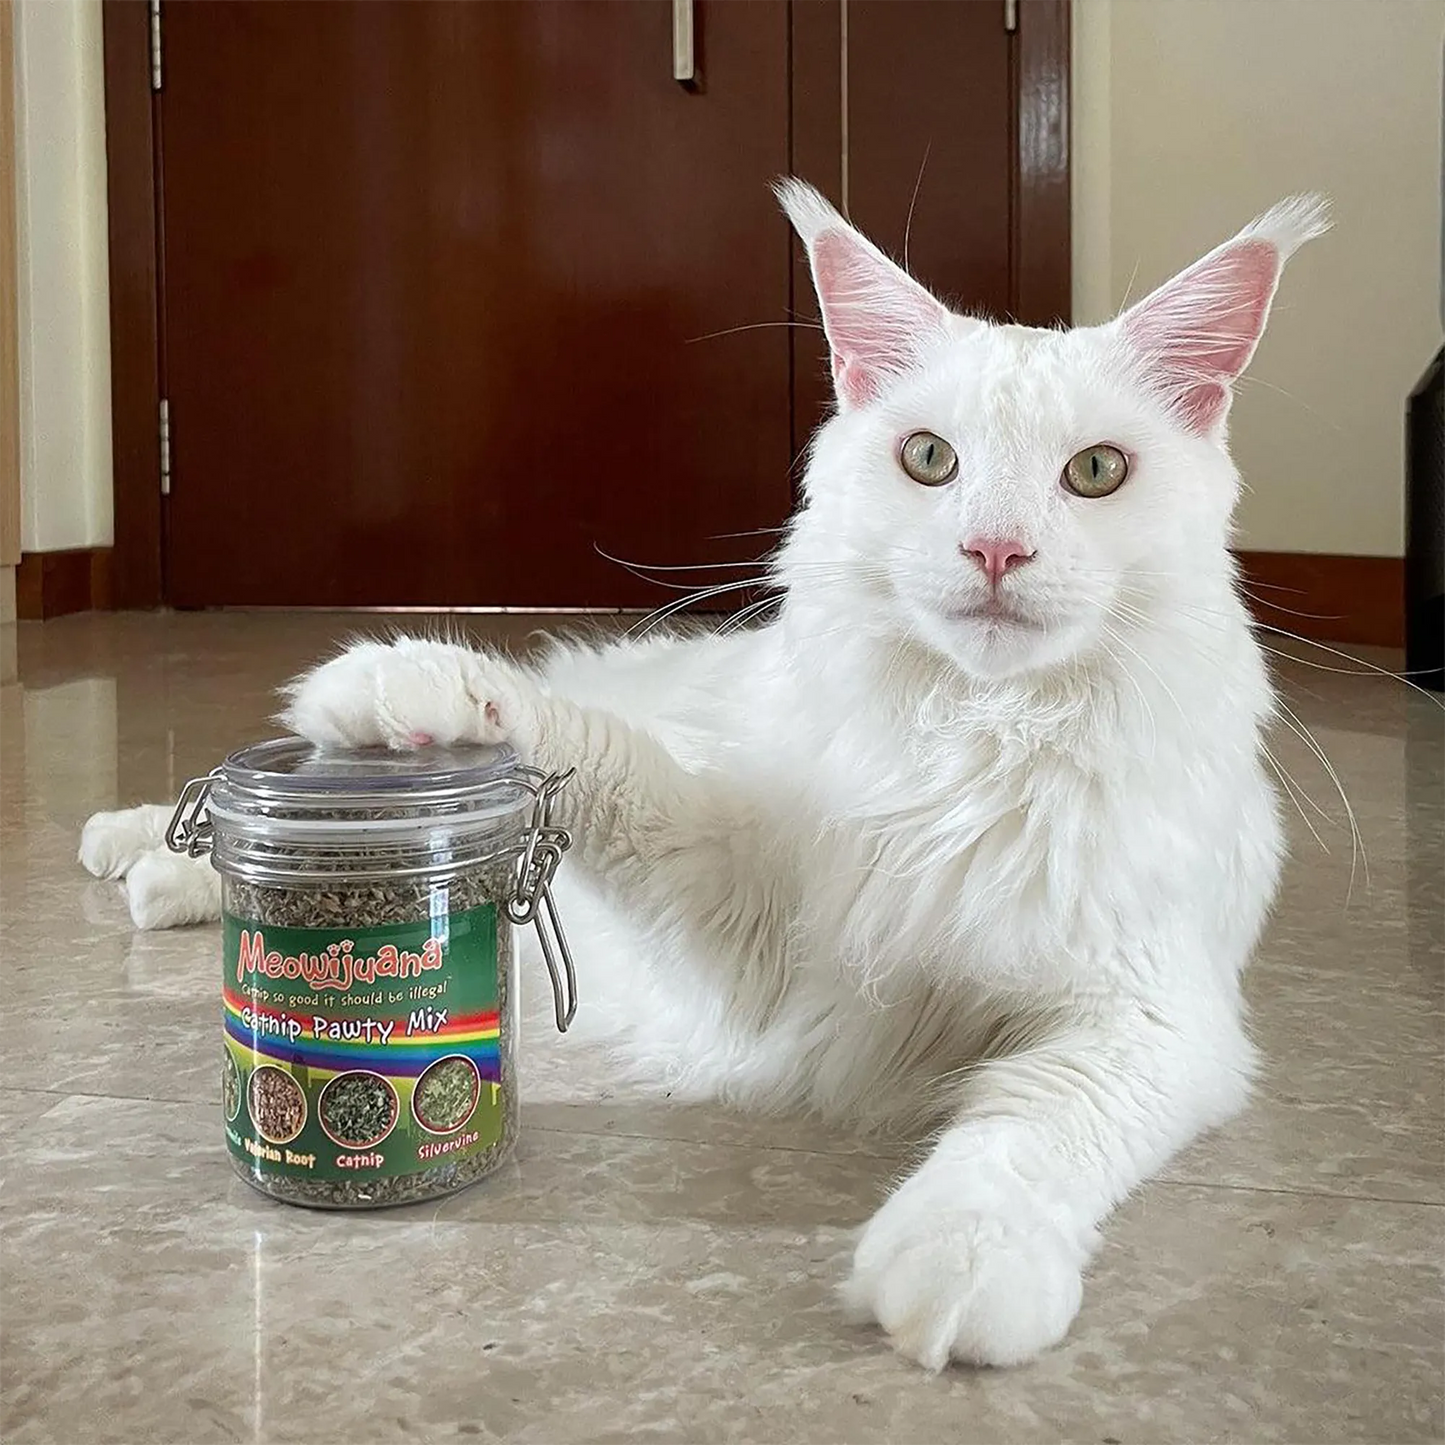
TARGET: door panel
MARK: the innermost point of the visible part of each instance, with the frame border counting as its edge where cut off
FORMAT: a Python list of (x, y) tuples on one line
[(946, 66), (456, 297), (434, 277), (930, 110)]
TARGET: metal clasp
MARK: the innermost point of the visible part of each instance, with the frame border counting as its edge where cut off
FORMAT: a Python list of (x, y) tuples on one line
[(190, 830), (533, 903)]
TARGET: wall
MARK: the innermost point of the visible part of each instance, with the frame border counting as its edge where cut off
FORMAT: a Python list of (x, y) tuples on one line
[(1191, 116), (9, 361), (64, 320)]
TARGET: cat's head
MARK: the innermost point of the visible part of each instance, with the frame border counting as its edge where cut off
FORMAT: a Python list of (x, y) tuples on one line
[(1014, 496)]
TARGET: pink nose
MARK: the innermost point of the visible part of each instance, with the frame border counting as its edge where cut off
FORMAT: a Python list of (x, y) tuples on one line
[(996, 556)]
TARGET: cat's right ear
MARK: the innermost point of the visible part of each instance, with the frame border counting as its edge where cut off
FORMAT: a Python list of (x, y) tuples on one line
[(878, 319), (1197, 333)]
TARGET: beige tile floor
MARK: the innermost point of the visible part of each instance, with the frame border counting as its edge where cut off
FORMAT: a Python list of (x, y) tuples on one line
[(658, 1273)]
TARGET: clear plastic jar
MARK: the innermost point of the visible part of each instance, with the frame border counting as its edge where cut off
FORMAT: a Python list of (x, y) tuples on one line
[(369, 983)]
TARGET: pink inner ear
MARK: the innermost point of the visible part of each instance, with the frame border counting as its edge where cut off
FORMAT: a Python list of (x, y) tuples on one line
[(1198, 331), (1202, 406), (875, 315)]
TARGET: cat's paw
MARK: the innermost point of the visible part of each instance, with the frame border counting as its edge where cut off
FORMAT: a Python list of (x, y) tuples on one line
[(169, 890), (953, 1272), (110, 843), (406, 694)]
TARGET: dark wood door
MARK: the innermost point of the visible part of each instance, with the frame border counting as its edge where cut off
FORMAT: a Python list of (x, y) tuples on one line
[(906, 112), (455, 298), (434, 281)]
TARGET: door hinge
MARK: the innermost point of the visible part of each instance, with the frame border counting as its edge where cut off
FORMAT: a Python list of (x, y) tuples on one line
[(1010, 17), (155, 44), (165, 448)]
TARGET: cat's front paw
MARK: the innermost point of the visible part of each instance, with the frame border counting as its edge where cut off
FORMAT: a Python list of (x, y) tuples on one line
[(407, 694), (957, 1273)]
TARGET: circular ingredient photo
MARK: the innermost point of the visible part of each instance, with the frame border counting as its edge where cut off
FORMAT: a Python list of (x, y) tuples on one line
[(230, 1087), (278, 1107), (446, 1094), (357, 1109)]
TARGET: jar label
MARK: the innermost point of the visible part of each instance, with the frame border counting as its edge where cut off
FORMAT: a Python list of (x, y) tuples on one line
[(361, 1053)]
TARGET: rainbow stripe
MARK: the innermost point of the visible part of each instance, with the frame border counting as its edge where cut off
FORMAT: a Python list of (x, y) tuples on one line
[(475, 1035)]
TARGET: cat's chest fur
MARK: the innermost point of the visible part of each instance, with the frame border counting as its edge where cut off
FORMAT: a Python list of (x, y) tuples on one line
[(1027, 847)]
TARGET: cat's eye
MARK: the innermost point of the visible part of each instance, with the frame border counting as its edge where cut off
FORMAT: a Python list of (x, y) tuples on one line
[(928, 459), (1096, 471)]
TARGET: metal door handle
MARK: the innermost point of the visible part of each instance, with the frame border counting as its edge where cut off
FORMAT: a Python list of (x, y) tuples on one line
[(684, 63)]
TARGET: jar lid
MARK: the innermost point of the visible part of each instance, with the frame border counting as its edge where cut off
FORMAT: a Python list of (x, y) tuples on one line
[(297, 770), (288, 794)]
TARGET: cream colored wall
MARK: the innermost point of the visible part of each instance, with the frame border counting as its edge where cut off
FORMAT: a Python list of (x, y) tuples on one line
[(1090, 167), (1193, 115), (65, 448), (9, 357)]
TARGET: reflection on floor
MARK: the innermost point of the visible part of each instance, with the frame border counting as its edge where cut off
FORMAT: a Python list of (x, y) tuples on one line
[(658, 1272)]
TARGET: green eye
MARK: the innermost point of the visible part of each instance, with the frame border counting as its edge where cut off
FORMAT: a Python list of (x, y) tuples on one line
[(1096, 471), (928, 459)]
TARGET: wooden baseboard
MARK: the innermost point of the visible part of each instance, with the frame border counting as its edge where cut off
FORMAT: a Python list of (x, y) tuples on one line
[(53, 584), (1328, 597)]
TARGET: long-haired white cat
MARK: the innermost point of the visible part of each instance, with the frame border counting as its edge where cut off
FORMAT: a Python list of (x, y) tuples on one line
[(977, 832)]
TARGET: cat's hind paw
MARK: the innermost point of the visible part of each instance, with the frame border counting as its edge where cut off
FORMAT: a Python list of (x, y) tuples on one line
[(111, 843), (405, 694), (169, 890), (982, 1285)]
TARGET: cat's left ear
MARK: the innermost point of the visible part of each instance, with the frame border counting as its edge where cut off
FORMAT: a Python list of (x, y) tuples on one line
[(1197, 333), (879, 320)]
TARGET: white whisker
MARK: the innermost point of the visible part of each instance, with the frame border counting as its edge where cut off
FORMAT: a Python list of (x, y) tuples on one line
[(751, 326), (703, 594), (913, 201), (1357, 842)]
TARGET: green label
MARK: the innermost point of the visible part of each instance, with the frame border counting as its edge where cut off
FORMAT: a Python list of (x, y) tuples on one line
[(361, 1053)]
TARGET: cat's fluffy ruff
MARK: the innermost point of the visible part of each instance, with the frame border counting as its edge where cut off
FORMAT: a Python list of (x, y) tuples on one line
[(891, 858)]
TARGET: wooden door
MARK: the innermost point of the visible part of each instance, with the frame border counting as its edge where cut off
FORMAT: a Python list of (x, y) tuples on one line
[(435, 280), (906, 112), (451, 299)]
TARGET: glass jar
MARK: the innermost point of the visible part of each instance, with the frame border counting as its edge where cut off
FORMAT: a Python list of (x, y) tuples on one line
[(369, 975)]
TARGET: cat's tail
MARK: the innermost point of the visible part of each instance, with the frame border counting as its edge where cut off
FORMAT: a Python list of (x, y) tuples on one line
[(163, 889)]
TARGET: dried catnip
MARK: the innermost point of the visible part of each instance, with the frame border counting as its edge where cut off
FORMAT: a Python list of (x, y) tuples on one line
[(358, 1109), (369, 967)]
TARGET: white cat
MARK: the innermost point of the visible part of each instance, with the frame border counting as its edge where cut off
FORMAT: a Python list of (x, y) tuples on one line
[(977, 832)]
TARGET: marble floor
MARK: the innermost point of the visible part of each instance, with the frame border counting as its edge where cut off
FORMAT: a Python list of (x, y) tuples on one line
[(666, 1273)]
